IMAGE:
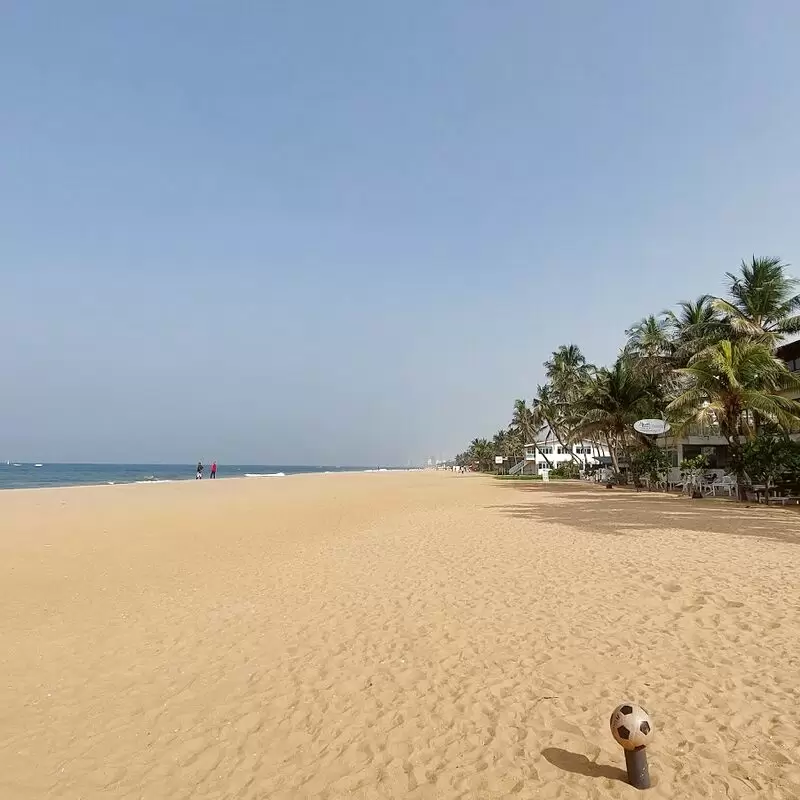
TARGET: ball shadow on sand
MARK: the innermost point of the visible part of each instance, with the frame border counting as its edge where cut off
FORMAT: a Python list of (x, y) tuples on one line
[(581, 765)]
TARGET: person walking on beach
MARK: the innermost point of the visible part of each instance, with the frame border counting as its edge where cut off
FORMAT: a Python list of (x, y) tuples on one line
[(214, 470), (199, 475)]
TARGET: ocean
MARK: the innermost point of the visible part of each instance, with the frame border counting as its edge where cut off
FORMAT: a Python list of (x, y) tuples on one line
[(30, 476)]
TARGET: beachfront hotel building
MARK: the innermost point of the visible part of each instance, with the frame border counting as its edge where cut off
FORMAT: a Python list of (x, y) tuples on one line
[(706, 439), (698, 440), (546, 452), (790, 353)]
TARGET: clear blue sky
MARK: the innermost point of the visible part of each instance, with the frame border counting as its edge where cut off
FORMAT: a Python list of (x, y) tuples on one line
[(350, 232)]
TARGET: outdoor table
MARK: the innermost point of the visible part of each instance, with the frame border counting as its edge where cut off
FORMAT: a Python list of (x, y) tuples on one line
[(758, 490)]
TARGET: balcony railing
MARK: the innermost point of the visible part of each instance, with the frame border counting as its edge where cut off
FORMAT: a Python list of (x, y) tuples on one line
[(702, 430)]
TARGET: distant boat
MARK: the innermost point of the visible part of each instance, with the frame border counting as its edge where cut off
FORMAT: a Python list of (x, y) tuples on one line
[(16, 465), (38, 465)]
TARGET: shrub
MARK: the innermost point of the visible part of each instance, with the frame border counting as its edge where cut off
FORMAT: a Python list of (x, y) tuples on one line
[(653, 462), (770, 458), (567, 469)]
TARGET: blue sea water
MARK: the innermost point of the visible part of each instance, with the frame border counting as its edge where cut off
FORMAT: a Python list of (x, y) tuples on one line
[(29, 476)]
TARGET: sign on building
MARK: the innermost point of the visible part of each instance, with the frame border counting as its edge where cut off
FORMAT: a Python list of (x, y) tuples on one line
[(651, 427)]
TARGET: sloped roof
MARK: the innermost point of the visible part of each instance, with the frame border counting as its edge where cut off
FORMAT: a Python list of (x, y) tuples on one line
[(545, 435), (789, 345)]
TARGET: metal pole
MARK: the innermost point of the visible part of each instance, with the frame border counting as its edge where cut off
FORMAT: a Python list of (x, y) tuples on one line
[(638, 773)]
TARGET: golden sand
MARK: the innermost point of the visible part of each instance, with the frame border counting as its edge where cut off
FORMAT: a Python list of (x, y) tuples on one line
[(397, 635)]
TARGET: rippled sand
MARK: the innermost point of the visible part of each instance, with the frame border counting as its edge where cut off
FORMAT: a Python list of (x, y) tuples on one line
[(396, 635)]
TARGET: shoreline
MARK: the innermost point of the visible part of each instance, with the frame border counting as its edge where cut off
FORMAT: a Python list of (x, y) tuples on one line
[(250, 477)]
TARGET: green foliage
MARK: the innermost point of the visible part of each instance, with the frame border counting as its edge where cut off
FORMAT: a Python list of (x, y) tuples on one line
[(566, 469), (733, 380), (694, 326), (709, 361), (613, 399), (479, 456), (693, 466), (652, 462), (769, 458), (523, 425), (692, 470), (762, 303)]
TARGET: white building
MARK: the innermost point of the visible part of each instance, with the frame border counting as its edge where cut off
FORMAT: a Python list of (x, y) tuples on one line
[(545, 452), (706, 440), (698, 440)]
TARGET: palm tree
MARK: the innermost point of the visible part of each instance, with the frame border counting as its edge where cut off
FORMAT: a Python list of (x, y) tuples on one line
[(649, 338), (523, 427), (514, 447), (567, 372), (613, 400), (481, 454), (522, 421), (696, 325), (500, 442), (548, 410), (763, 301), (735, 383), (566, 369), (708, 358), (650, 347)]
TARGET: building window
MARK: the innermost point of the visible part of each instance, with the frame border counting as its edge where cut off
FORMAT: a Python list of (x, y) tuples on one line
[(717, 457), (563, 451)]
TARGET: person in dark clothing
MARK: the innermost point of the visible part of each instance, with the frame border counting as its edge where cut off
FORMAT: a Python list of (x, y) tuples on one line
[(199, 475)]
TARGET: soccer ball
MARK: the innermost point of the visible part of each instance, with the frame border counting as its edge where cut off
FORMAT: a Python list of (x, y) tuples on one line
[(631, 726)]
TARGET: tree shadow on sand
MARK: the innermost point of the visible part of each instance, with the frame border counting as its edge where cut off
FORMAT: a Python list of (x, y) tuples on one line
[(619, 512), (581, 765)]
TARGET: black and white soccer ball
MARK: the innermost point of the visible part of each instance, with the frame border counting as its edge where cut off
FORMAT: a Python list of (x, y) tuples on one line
[(631, 726)]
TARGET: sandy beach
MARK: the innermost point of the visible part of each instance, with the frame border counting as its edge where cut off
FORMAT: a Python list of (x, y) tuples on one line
[(397, 635)]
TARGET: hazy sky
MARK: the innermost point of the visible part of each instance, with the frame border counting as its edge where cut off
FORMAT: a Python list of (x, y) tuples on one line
[(350, 232)]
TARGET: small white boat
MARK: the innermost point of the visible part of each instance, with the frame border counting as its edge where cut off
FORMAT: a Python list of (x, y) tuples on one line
[(38, 465)]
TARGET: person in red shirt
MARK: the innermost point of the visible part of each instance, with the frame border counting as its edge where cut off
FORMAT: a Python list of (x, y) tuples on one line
[(214, 470)]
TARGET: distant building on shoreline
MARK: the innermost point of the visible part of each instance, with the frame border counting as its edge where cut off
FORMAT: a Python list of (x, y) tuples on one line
[(546, 452)]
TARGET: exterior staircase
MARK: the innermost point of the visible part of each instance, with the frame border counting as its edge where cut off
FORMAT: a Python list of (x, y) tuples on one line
[(517, 469)]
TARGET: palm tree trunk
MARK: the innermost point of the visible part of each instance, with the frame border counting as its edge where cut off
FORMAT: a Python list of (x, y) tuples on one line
[(737, 461), (613, 453), (558, 439), (631, 472)]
